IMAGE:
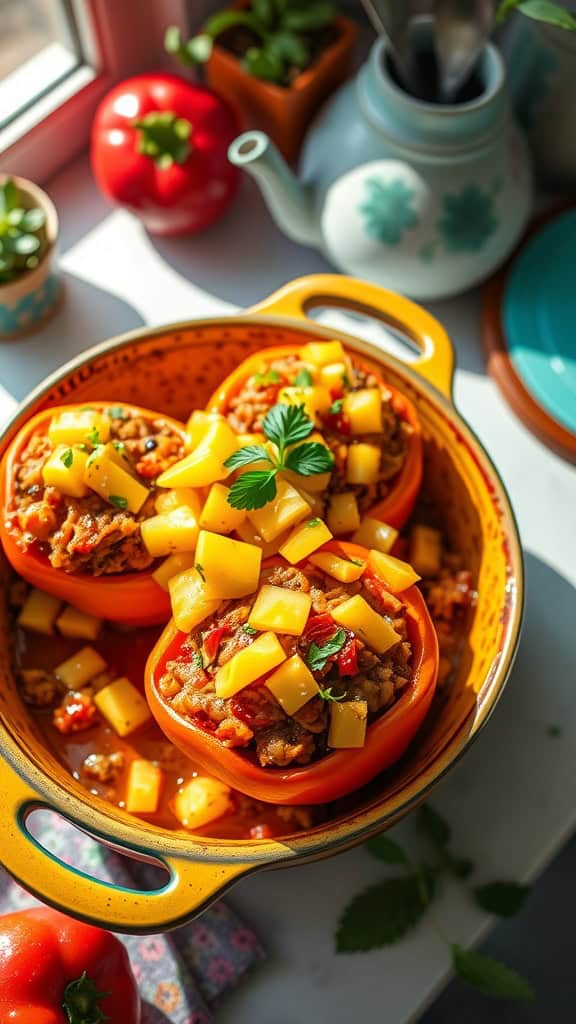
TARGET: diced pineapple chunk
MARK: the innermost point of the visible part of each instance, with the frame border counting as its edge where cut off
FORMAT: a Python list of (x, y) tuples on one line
[(343, 515), (80, 668), (104, 475), (321, 353), (373, 534), (426, 550), (169, 533), (292, 684), (305, 539), (201, 801), (79, 625), (143, 787), (205, 464), (315, 501), (230, 567), (217, 514), (249, 664), (167, 501), (189, 600), (334, 376), (64, 469), (197, 427), (39, 612), (315, 399), (363, 463), (123, 706), (250, 535), (396, 574), (280, 610), (357, 615), (172, 566), (364, 411), (340, 568), (76, 426), (244, 440), (316, 483), (286, 509), (348, 721)]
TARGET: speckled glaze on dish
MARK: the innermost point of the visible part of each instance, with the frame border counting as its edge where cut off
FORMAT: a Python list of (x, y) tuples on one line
[(175, 368)]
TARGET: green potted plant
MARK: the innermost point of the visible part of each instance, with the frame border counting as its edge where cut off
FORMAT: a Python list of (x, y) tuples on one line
[(29, 286), (275, 59)]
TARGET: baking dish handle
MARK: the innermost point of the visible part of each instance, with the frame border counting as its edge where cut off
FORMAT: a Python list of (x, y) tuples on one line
[(296, 299), (192, 886)]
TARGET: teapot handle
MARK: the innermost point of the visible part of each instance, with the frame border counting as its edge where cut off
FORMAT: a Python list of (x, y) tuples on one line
[(296, 299)]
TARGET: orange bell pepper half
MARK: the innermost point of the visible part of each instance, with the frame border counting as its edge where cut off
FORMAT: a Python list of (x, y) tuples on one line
[(397, 506), (133, 598), (337, 773)]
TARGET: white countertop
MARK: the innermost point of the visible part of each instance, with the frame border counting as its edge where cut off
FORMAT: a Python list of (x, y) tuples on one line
[(511, 800)]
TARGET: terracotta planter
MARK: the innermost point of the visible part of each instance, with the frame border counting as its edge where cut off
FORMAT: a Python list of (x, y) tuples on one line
[(284, 112), (29, 301)]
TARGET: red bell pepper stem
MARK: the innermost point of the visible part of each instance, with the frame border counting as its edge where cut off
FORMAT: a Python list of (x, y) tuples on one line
[(81, 1002), (165, 137)]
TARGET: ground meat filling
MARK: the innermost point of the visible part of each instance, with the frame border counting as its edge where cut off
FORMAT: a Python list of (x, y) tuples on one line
[(249, 407), (88, 534), (253, 719)]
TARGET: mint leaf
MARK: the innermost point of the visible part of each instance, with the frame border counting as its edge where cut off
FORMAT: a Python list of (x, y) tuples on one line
[(303, 378), (253, 490), (118, 500), (67, 457), (387, 850), (380, 915), (318, 654), (433, 826), (490, 976), (308, 459), (245, 456), (501, 898), (286, 425)]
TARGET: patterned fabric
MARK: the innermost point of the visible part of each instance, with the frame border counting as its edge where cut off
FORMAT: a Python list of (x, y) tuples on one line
[(181, 975)]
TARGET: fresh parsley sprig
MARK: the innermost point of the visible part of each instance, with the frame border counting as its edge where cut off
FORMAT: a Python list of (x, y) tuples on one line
[(284, 426), (319, 654)]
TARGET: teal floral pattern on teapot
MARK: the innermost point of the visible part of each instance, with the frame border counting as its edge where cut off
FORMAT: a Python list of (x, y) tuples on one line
[(388, 210), (468, 219)]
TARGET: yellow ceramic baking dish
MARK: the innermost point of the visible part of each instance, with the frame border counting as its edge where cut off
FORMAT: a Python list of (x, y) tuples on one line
[(174, 369)]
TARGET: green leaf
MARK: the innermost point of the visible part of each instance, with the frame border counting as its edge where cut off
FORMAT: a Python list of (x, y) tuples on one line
[(173, 41), (381, 915), (25, 245), (93, 437), (318, 654), (9, 196), (336, 407), (461, 867), (264, 11), (314, 16), (502, 898), (286, 425), (198, 49), (541, 10), (490, 976), (33, 220), (303, 378), (261, 64), (387, 850), (314, 522), (289, 47), (433, 826), (224, 20), (253, 490), (16, 216), (197, 660), (245, 456), (264, 379), (249, 629), (309, 459), (328, 696), (67, 457), (118, 500)]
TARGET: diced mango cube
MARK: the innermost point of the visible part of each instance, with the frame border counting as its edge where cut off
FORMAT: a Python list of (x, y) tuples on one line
[(363, 409), (205, 464), (396, 574), (64, 469), (78, 426), (249, 664), (201, 801), (343, 515), (172, 566), (143, 787), (280, 610), (363, 463), (230, 567), (321, 353), (425, 550), (174, 531), (334, 376), (80, 668), (115, 484), (292, 684), (304, 539), (315, 399), (217, 514), (373, 629), (189, 599), (39, 612), (286, 509), (373, 534), (348, 721), (250, 535), (167, 501), (78, 625), (340, 568), (197, 427), (123, 706)]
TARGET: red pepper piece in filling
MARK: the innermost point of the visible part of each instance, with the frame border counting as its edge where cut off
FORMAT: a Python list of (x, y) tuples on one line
[(348, 658), (211, 642), (76, 713), (319, 628)]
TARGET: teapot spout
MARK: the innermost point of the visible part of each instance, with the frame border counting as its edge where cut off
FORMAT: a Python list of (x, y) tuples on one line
[(290, 202)]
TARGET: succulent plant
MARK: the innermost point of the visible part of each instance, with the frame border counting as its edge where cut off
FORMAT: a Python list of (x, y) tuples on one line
[(23, 239), (281, 27), (540, 10)]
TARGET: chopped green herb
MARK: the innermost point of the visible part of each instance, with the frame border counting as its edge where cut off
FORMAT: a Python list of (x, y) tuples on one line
[(346, 380), (67, 457), (197, 660), (318, 654), (82, 447), (249, 629), (200, 571), (118, 500), (356, 561), (328, 696), (93, 437), (119, 446), (264, 379), (116, 412), (303, 378), (314, 522), (336, 407)]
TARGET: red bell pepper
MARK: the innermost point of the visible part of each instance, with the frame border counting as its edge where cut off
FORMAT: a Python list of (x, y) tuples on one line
[(159, 147), (348, 658), (55, 970)]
